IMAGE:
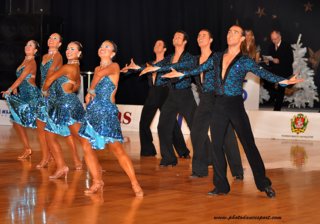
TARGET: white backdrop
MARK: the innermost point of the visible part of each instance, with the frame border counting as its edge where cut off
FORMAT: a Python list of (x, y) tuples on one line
[(265, 124)]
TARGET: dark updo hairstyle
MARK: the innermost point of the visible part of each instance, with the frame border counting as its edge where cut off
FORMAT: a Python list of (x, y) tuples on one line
[(37, 45), (79, 47), (60, 38), (114, 46)]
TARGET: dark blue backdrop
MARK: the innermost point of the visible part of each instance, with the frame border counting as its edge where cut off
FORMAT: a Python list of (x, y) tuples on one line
[(135, 25)]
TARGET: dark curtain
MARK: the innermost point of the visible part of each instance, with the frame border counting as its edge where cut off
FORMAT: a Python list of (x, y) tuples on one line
[(134, 25)]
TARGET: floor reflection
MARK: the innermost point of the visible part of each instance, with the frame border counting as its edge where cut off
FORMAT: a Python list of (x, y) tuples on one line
[(299, 156)]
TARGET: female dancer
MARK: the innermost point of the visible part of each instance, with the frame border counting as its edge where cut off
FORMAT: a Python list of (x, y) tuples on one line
[(50, 63), (101, 124), (22, 105), (67, 109)]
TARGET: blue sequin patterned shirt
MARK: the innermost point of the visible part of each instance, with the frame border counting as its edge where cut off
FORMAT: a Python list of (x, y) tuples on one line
[(232, 83), (207, 68), (186, 62)]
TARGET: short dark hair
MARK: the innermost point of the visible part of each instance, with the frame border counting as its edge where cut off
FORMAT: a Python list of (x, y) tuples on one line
[(208, 31), (276, 31), (185, 35), (164, 43)]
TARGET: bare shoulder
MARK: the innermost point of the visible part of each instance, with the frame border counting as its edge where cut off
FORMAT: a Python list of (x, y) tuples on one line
[(70, 67), (115, 68), (45, 57), (115, 65), (57, 56), (97, 68), (33, 62)]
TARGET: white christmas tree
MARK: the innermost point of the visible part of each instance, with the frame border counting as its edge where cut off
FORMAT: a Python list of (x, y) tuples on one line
[(263, 95), (304, 93)]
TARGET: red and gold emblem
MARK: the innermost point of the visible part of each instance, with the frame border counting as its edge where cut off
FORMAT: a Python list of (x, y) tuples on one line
[(299, 123)]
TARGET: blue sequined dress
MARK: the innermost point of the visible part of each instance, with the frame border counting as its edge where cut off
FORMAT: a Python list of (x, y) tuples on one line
[(42, 113), (66, 110), (101, 125), (23, 106)]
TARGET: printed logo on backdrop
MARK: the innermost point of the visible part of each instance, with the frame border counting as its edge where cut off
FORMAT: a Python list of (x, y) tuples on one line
[(299, 123), (4, 113), (244, 92), (125, 118)]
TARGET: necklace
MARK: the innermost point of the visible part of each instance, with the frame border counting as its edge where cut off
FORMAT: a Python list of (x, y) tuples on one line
[(52, 52), (104, 64), (29, 57), (73, 62)]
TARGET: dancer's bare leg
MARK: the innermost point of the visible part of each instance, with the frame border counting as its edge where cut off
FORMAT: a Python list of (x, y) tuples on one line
[(91, 160), (24, 138), (126, 164), (43, 144), (76, 159), (62, 169)]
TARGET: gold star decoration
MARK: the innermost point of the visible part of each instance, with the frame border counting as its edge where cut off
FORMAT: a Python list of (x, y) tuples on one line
[(260, 12), (308, 7)]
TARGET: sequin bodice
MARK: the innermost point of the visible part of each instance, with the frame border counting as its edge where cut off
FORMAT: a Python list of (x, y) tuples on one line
[(44, 70), (105, 89), (231, 84), (26, 89), (101, 124)]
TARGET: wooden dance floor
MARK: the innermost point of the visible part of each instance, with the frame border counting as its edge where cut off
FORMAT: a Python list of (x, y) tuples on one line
[(28, 196)]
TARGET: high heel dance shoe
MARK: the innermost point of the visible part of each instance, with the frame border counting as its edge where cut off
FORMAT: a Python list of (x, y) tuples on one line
[(79, 166), (59, 173), (44, 163), (25, 154), (95, 187), (137, 190)]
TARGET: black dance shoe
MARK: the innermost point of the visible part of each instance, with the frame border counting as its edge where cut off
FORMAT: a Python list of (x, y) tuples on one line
[(195, 176), (148, 155), (215, 192), (167, 164), (238, 177), (185, 156), (270, 192)]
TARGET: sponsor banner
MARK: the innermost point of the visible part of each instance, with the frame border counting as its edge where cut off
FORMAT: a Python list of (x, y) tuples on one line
[(129, 116), (251, 90), (285, 125), (265, 124), (4, 113)]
